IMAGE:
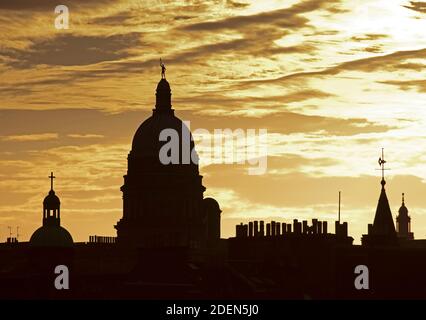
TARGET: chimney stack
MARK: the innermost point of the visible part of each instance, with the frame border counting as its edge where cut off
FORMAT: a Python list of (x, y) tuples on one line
[(262, 228)]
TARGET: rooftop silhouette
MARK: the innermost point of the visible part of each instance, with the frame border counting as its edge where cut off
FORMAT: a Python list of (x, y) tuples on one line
[(168, 242)]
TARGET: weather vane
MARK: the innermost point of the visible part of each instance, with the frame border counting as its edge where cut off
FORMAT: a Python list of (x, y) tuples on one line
[(382, 162), (163, 69)]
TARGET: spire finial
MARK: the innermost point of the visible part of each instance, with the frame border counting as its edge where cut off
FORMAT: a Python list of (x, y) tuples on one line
[(403, 196), (163, 69), (382, 165), (51, 180)]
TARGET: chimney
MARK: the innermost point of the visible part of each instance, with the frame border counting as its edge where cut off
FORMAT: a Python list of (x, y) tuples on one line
[(314, 226), (345, 229), (273, 228), (324, 227), (277, 229), (250, 229), (305, 227), (297, 226), (262, 228), (256, 229), (319, 227), (284, 228), (289, 228), (239, 230)]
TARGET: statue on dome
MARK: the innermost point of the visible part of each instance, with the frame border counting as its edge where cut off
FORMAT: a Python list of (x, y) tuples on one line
[(163, 69)]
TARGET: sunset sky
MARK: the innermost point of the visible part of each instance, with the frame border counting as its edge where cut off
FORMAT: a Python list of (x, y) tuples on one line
[(332, 81)]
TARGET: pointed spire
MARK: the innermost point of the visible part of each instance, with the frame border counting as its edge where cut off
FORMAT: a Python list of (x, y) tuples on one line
[(383, 221)]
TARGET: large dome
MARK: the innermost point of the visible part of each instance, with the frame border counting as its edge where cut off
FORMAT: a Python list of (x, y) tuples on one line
[(146, 141), (51, 237), (146, 145), (163, 192)]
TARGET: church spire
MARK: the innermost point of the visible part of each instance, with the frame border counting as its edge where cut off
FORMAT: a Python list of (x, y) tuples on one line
[(383, 222), (382, 231)]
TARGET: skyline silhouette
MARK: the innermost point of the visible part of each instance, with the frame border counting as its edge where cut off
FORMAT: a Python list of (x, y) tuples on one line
[(328, 86), (168, 243), (213, 149)]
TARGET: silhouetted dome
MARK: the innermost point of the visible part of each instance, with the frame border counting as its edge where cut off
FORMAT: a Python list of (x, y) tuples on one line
[(163, 96), (403, 211), (51, 237), (146, 141), (51, 200), (163, 86), (211, 205)]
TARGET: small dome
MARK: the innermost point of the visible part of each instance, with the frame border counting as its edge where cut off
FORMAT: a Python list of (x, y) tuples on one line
[(403, 210), (163, 86), (51, 237), (51, 200), (211, 205), (163, 96)]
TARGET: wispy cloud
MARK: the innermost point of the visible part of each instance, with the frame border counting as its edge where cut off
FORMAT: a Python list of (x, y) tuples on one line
[(31, 137), (86, 136), (73, 50), (418, 6)]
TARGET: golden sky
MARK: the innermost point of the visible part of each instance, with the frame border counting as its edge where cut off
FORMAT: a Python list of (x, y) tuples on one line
[(332, 81)]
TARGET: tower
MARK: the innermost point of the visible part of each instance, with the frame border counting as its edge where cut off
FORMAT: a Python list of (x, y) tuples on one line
[(382, 231), (51, 207), (163, 203), (403, 222), (51, 234)]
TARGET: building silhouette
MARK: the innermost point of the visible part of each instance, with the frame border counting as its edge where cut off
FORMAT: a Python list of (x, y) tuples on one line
[(51, 234), (403, 222), (168, 242), (163, 204), (382, 231)]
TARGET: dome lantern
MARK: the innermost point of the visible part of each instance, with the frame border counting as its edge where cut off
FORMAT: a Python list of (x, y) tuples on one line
[(51, 206), (51, 234)]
